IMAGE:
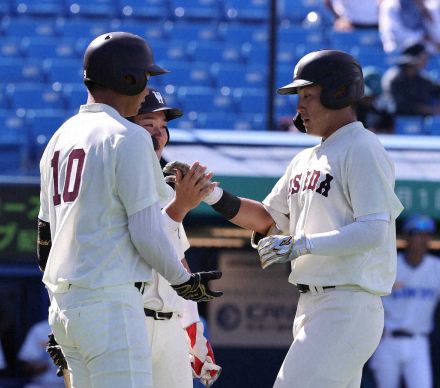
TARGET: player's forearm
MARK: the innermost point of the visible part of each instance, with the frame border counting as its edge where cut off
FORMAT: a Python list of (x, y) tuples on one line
[(149, 238), (243, 212), (176, 211), (253, 216)]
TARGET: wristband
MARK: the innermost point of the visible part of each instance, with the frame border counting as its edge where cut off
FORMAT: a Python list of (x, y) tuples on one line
[(228, 205), (214, 197)]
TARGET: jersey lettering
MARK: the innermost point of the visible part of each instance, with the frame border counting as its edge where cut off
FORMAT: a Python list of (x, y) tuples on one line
[(295, 184), (72, 184), (306, 180), (54, 164), (324, 187), (313, 180), (310, 183)]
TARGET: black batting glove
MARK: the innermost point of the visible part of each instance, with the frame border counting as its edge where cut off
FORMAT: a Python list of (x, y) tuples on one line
[(196, 288), (56, 354)]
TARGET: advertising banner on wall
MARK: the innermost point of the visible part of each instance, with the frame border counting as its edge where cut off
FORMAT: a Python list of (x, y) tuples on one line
[(257, 307)]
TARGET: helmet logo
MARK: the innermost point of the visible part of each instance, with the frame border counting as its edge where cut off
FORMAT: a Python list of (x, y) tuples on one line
[(158, 96)]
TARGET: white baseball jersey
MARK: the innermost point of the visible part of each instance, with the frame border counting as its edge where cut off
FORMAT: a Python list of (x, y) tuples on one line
[(33, 350), (91, 183), (327, 187), (415, 295), (159, 295)]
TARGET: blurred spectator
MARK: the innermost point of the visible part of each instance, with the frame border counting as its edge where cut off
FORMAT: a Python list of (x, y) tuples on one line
[(375, 110), (413, 92), (37, 363), (404, 22), (2, 358), (404, 350), (352, 14)]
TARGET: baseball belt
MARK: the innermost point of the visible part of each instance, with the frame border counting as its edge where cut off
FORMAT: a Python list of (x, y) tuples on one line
[(158, 315), (303, 288)]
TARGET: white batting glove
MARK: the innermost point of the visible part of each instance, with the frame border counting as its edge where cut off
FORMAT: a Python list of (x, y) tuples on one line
[(201, 355), (281, 249)]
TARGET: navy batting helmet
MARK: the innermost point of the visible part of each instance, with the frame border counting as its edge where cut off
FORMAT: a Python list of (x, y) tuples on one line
[(339, 74), (419, 223), (155, 102), (120, 61)]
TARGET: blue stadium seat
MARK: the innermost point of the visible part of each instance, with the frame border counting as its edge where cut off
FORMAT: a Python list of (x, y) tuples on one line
[(152, 30), (252, 100), (238, 33), (409, 125), (11, 69), (74, 96), (286, 54), (13, 143), (247, 10), (297, 12), (231, 121), (256, 54), (195, 9), (216, 120), (5, 8), (78, 28), (232, 75), (13, 156), (21, 27), (149, 9), (185, 74), (18, 70), (211, 52), (12, 126), (432, 125), (39, 8), (284, 74), (197, 99), (360, 37), (87, 8), (223, 101), (10, 47), (48, 47), (207, 52), (44, 123), (255, 76), (63, 70), (295, 34), (34, 96), (194, 31), (172, 51), (285, 106)]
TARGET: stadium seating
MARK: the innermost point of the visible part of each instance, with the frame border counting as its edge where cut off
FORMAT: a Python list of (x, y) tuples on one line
[(217, 51), (47, 8), (409, 125), (195, 9), (142, 9)]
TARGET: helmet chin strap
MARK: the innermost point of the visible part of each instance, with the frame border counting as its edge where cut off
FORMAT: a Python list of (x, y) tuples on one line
[(298, 123)]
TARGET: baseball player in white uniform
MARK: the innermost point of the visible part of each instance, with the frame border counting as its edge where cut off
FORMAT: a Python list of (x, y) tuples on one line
[(404, 350), (336, 206), (100, 226), (174, 325)]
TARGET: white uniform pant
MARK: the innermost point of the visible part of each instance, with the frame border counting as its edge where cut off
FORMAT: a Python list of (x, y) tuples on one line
[(335, 332), (103, 335), (402, 356), (170, 352)]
